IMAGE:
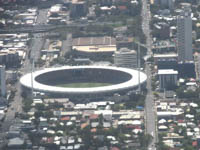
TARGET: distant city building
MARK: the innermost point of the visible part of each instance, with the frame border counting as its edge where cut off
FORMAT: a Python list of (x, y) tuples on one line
[(167, 4), (55, 14), (166, 61), (9, 58), (125, 58), (11, 75), (167, 78), (164, 46), (186, 70), (157, 57), (3, 80), (78, 8), (184, 35), (163, 29)]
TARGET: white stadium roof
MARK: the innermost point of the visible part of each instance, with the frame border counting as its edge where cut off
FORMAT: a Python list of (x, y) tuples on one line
[(133, 82)]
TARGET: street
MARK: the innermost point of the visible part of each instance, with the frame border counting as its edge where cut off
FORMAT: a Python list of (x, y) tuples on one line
[(146, 15), (150, 111), (149, 102)]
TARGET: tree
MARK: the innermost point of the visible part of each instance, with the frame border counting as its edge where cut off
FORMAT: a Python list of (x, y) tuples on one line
[(182, 92), (48, 114), (145, 139), (87, 137), (38, 114), (40, 107), (27, 104), (160, 145)]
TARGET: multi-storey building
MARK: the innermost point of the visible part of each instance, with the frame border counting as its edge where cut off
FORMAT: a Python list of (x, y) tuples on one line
[(184, 35), (125, 58)]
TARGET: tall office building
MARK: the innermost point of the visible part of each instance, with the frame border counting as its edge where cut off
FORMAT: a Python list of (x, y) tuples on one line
[(184, 35), (2, 81)]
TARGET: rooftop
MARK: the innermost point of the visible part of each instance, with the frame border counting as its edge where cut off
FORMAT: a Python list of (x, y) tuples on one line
[(165, 55), (101, 48), (167, 71), (89, 41)]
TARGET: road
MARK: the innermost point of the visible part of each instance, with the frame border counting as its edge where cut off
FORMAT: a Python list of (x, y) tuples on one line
[(150, 111), (149, 102), (15, 106), (146, 15)]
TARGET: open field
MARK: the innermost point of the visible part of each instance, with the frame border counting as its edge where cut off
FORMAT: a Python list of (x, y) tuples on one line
[(83, 85)]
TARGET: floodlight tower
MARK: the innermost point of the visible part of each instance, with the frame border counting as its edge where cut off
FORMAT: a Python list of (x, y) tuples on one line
[(32, 70), (139, 89)]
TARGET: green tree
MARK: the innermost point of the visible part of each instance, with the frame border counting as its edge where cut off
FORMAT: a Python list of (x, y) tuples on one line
[(27, 104), (145, 139)]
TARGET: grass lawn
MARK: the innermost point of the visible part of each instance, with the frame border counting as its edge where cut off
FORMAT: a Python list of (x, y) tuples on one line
[(83, 85)]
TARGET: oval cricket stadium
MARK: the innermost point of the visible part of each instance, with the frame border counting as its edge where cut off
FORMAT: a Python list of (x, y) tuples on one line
[(83, 81)]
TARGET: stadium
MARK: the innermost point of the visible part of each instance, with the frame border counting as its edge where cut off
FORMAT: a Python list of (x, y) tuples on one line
[(82, 81)]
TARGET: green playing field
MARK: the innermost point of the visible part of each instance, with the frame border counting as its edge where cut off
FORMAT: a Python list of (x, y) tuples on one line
[(83, 85)]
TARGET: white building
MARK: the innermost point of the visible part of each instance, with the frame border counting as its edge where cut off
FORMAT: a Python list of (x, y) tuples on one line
[(2, 81), (125, 58), (184, 35), (167, 78)]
